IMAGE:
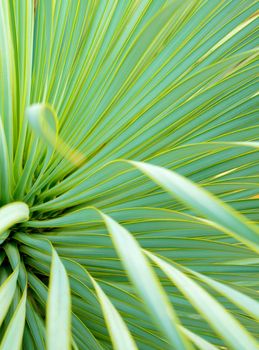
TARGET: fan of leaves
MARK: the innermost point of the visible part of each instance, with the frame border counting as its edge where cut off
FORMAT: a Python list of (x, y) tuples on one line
[(128, 175)]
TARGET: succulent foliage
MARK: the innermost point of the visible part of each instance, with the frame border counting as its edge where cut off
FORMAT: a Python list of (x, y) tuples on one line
[(128, 175)]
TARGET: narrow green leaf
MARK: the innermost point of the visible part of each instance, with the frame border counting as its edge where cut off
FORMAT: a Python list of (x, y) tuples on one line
[(5, 174), (227, 327), (3, 236), (7, 290), (58, 307), (13, 336), (250, 306), (7, 82), (33, 320), (204, 203), (120, 335), (201, 343), (142, 276)]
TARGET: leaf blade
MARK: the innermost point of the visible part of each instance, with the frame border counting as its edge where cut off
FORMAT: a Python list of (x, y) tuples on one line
[(14, 333), (203, 202), (58, 307), (7, 290), (227, 327), (146, 282), (121, 337), (11, 214)]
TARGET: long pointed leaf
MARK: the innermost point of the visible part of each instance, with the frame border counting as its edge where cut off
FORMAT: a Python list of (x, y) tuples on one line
[(58, 307), (204, 203), (7, 290), (121, 337), (219, 318), (143, 277), (14, 333)]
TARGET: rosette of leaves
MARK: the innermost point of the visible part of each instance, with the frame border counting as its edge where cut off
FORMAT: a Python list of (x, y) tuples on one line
[(128, 175)]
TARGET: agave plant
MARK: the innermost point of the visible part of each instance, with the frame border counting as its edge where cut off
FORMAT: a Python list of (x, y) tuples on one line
[(128, 175)]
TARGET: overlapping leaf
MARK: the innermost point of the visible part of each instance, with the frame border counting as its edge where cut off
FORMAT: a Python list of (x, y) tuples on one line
[(128, 128)]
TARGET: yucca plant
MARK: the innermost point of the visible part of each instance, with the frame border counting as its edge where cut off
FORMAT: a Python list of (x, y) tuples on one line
[(128, 175)]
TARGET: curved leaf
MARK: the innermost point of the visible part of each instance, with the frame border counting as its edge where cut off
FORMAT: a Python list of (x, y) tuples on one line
[(143, 277), (122, 339), (11, 214), (204, 203), (219, 319), (58, 307), (7, 290), (13, 336)]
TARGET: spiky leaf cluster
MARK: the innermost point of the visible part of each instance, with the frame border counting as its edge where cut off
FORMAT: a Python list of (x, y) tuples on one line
[(128, 175)]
